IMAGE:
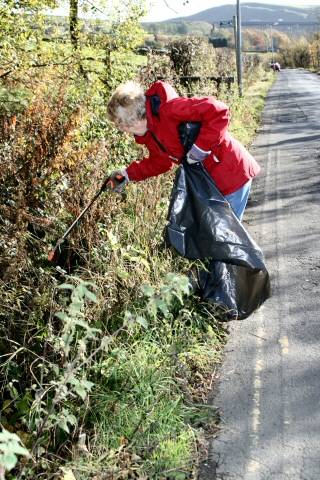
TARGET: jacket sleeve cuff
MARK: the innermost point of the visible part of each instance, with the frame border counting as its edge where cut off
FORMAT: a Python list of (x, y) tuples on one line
[(196, 153), (124, 173)]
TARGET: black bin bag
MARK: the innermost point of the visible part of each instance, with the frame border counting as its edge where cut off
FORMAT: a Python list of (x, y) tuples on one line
[(202, 225)]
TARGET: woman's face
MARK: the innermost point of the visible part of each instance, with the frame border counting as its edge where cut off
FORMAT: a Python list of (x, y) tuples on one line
[(139, 127)]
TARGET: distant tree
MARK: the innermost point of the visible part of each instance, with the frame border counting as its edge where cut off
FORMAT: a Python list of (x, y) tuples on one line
[(256, 39), (281, 40), (21, 27), (297, 55), (125, 34), (301, 54), (182, 28), (74, 23), (195, 56)]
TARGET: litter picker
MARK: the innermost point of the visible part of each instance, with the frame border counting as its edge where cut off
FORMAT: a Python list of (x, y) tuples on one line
[(108, 184)]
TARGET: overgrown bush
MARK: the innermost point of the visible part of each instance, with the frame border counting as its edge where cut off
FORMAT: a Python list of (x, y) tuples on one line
[(113, 386), (195, 56), (182, 54), (297, 55)]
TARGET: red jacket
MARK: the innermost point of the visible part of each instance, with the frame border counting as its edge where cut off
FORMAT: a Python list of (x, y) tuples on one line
[(229, 163)]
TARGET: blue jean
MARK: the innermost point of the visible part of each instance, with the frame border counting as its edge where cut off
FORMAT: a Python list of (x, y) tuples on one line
[(238, 199)]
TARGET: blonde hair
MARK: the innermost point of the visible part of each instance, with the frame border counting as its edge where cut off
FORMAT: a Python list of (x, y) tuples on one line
[(127, 104)]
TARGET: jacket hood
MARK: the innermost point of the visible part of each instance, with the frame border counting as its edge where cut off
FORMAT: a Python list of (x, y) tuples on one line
[(165, 91)]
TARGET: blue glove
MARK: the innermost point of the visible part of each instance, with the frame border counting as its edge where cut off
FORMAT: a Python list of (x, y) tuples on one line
[(196, 155)]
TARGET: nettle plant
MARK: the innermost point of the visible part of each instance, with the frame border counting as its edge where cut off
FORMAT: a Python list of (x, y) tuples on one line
[(78, 345), (169, 295), (64, 384)]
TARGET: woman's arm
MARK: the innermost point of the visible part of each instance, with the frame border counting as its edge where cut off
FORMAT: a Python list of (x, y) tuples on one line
[(213, 115), (150, 166)]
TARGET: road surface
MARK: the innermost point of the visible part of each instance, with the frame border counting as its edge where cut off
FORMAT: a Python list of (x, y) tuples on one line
[(269, 393)]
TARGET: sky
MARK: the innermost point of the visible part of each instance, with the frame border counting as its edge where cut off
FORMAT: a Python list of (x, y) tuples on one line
[(164, 9), (160, 10)]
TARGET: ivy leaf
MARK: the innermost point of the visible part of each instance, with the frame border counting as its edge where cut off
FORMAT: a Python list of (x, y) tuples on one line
[(87, 384), (80, 290), (162, 306), (80, 391), (65, 418), (178, 475), (75, 307)]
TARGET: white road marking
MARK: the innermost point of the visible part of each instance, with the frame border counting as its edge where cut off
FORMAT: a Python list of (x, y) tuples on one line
[(284, 342)]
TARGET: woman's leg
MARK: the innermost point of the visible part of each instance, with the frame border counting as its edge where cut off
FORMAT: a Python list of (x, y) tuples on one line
[(238, 199)]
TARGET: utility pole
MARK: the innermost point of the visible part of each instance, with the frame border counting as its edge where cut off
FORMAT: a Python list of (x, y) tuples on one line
[(239, 48), (234, 23)]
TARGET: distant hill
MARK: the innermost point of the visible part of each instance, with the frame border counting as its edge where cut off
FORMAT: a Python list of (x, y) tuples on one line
[(252, 12), (291, 20)]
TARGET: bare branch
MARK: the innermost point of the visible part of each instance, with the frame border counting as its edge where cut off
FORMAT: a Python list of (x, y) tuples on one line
[(5, 74), (168, 6)]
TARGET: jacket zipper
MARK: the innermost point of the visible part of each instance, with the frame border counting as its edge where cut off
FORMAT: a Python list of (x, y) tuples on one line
[(162, 147)]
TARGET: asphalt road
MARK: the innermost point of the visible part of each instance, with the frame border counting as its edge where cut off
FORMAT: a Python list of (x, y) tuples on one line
[(269, 393)]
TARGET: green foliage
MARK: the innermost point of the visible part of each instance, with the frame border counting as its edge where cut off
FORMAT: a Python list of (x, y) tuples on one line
[(195, 56), (176, 287), (141, 370), (298, 55), (144, 402), (124, 35), (21, 28), (13, 100), (10, 448), (172, 452), (246, 110)]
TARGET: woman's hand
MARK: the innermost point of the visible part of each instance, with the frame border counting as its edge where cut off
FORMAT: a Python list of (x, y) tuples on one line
[(118, 180)]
